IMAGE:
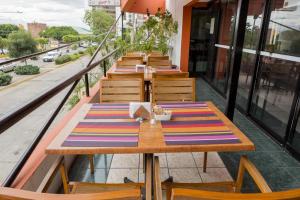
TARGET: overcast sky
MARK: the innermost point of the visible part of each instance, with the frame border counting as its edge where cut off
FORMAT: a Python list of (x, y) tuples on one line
[(51, 12)]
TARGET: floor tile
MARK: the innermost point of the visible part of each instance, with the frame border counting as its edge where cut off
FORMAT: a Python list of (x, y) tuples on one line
[(103, 161), (117, 175), (213, 159), (125, 161), (185, 175), (215, 175), (180, 160)]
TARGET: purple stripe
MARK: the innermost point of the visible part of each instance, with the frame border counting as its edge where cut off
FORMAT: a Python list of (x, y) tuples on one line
[(107, 117), (110, 104), (110, 123), (172, 137), (203, 142), (103, 138), (193, 115), (99, 144), (191, 122), (183, 103)]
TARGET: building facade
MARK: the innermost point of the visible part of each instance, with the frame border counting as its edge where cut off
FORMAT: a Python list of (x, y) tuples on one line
[(35, 28)]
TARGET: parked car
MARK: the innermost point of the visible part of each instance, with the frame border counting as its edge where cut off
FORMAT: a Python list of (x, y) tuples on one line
[(51, 56), (83, 44), (95, 44), (7, 67)]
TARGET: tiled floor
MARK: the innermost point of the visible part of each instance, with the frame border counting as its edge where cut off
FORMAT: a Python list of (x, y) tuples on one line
[(183, 167), (280, 170)]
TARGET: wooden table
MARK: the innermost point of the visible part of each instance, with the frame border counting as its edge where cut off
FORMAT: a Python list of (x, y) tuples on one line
[(147, 75), (150, 140)]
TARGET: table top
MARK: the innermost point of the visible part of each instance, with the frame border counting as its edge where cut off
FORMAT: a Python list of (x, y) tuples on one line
[(147, 74), (150, 138)]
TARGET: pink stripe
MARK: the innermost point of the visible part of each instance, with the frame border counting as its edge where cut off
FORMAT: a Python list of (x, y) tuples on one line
[(200, 137), (76, 138)]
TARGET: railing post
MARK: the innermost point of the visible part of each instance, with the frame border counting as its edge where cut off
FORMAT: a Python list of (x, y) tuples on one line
[(87, 87), (104, 67), (122, 26)]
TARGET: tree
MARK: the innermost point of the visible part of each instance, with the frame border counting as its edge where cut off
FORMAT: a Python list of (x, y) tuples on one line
[(3, 44), (6, 29), (42, 42), (21, 43), (99, 21), (57, 32), (70, 38)]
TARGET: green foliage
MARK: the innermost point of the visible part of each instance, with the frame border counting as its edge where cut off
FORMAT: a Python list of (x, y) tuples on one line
[(21, 43), (67, 58), (27, 70), (57, 32), (155, 34), (6, 29), (90, 50), (99, 21), (73, 100), (81, 52), (42, 42), (5, 79), (70, 38), (74, 46), (62, 59), (3, 44)]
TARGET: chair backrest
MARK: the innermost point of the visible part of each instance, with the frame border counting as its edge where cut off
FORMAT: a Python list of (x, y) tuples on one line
[(16, 194), (124, 58), (134, 53), (126, 75), (160, 63), (126, 63), (173, 89), (155, 58), (170, 75), (121, 90), (155, 53)]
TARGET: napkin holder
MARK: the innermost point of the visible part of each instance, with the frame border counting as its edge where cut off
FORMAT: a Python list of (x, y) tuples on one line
[(140, 110), (140, 68)]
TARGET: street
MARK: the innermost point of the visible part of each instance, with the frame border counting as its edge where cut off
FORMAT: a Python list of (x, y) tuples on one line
[(16, 139)]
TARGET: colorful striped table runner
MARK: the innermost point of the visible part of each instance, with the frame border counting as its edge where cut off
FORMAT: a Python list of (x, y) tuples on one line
[(195, 124), (103, 134), (108, 111)]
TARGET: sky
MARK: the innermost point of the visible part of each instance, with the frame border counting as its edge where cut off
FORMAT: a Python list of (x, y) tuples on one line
[(51, 12)]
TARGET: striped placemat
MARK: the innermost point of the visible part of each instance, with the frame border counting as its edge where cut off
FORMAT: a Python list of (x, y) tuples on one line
[(103, 134), (195, 124), (108, 111)]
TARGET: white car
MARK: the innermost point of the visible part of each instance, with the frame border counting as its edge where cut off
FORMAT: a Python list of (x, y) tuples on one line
[(83, 44), (7, 67), (51, 56)]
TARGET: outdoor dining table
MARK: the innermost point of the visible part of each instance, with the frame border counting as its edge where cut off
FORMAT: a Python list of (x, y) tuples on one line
[(106, 128), (147, 72)]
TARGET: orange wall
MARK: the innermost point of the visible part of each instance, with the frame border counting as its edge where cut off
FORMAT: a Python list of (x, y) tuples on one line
[(141, 6), (185, 40)]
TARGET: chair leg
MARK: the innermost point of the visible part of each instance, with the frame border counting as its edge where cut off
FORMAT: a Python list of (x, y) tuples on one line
[(64, 178), (205, 162), (91, 159)]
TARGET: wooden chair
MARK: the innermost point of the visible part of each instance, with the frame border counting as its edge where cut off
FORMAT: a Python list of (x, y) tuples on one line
[(134, 53), (121, 90), (160, 63), (16, 194), (108, 191), (173, 89), (129, 63), (156, 58), (125, 58), (220, 190), (126, 75), (155, 53), (170, 75)]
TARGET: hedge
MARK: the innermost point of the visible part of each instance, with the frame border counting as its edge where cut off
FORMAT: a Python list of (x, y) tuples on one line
[(5, 79), (62, 59), (27, 70)]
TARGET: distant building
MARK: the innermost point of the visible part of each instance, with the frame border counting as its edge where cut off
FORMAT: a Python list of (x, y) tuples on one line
[(107, 5), (35, 28)]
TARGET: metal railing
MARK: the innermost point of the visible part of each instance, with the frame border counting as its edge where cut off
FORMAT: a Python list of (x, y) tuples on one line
[(12, 118)]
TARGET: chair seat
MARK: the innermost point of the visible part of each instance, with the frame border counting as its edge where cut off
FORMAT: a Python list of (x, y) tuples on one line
[(83, 188)]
